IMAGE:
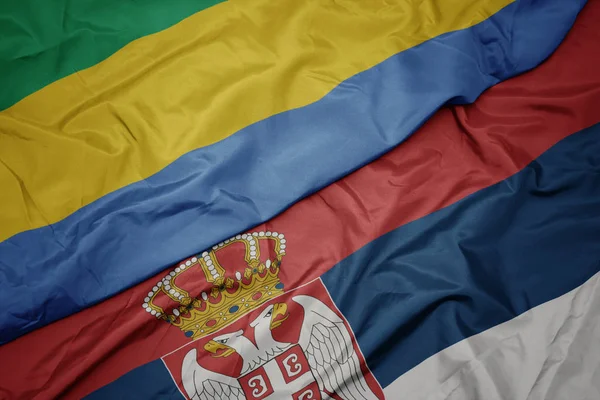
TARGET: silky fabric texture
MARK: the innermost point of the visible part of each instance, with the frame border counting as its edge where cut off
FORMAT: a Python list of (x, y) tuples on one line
[(192, 85), (477, 263), (133, 233), (549, 352), (150, 381), (462, 149), (61, 37), (438, 280)]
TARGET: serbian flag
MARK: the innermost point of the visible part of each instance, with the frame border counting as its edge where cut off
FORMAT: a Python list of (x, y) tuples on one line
[(300, 200)]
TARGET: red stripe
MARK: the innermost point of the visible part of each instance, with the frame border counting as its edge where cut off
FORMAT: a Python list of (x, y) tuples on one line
[(459, 151)]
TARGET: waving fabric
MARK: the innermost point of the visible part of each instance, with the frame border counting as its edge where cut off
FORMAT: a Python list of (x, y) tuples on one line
[(218, 123), (462, 264)]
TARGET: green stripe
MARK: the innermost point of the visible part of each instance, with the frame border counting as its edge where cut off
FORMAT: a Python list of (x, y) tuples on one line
[(42, 41)]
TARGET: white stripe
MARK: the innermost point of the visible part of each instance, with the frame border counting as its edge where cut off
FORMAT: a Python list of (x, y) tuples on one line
[(551, 352)]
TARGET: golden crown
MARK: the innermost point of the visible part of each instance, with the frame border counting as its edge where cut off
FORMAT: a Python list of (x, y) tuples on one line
[(227, 296)]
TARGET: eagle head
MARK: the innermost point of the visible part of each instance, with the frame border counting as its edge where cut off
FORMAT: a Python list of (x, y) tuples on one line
[(224, 345), (274, 315)]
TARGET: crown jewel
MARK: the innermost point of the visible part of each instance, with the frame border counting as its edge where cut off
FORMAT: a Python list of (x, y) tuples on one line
[(228, 296)]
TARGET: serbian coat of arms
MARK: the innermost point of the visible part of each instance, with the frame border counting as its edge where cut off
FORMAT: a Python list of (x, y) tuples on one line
[(250, 338)]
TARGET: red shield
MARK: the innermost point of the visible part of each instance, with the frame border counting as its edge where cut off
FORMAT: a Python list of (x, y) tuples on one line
[(287, 376)]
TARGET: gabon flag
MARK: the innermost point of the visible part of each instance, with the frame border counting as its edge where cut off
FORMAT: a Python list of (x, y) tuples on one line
[(300, 200)]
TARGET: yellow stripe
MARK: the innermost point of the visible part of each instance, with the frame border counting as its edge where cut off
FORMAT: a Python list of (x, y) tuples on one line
[(194, 84)]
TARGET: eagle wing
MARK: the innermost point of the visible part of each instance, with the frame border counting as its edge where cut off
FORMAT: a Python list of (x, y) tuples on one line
[(330, 353), (203, 384)]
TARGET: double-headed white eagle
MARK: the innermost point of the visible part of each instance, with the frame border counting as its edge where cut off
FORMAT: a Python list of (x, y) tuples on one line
[(324, 339)]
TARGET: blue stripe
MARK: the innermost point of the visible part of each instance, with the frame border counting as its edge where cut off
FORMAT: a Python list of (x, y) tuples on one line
[(150, 381), (475, 264), (215, 192), (463, 269)]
